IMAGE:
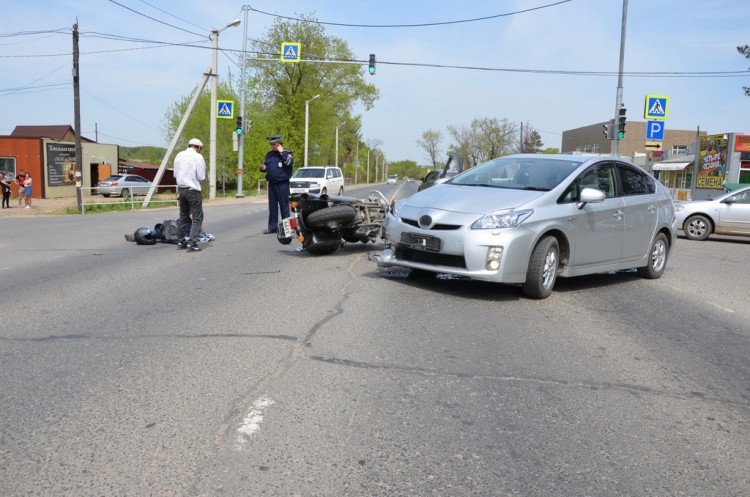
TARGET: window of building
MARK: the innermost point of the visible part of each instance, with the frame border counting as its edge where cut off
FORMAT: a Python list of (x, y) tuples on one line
[(587, 149), (8, 164), (680, 150), (744, 172), (595, 148)]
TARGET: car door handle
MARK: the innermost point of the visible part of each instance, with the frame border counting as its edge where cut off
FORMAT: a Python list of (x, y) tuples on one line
[(618, 214), (652, 208)]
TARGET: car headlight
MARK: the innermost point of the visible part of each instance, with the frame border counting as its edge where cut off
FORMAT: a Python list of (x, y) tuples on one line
[(501, 219)]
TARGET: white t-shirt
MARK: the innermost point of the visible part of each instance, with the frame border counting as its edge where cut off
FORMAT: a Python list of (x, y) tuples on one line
[(189, 169)]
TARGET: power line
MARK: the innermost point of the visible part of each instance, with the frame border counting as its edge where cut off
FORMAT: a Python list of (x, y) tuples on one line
[(155, 19), (419, 25)]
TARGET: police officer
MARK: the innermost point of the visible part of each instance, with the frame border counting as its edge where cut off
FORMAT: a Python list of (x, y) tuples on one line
[(278, 168)]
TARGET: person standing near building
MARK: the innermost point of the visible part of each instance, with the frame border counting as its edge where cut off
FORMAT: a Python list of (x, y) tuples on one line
[(20, 178), (189, 171), (5, 180), (27, 190), (278, 168)]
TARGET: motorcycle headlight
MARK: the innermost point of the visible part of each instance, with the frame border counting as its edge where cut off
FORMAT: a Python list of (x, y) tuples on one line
[(501, 219)]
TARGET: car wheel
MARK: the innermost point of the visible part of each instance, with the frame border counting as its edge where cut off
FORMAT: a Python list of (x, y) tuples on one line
[(335, 215), (657, 259), (542, 271), (697, 227), (124, 193)]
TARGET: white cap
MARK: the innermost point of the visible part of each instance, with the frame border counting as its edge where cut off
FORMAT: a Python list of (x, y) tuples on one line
[(195, 142)]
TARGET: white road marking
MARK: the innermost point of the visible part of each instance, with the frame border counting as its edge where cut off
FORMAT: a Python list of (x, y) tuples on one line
[(253, 419), (731, 311)]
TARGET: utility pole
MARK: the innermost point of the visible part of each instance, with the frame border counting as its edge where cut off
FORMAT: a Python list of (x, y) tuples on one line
[(618, 100), (77, 114), (241, 138)]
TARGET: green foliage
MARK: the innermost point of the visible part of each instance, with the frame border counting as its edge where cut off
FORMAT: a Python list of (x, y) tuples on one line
[(406, 169), (147, 154), (551, 150)]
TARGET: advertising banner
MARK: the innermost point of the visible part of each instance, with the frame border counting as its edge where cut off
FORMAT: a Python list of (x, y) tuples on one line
[(712, 162), (742, 143), (61, 164)]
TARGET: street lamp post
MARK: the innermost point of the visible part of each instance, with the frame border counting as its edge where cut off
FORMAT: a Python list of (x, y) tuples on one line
[(307, 118), (212, 126), (337, 144)]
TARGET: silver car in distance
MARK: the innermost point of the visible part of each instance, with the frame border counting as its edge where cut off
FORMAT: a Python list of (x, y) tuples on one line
[(527, 219)]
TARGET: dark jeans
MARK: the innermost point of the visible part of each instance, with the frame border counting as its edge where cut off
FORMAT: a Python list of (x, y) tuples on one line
[(6, 199), (191, 211), (278, 198)]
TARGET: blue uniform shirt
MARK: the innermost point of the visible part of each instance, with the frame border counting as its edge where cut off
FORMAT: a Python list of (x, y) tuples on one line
[(278, 166)]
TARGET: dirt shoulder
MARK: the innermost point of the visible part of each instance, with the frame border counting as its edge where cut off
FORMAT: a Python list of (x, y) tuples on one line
[(64, 206)]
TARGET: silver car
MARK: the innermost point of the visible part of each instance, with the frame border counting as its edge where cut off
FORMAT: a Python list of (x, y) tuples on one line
[(123, 185), (527, 219), (727, 214)]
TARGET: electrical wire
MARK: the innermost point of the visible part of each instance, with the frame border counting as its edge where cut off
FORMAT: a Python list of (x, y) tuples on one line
[(418, 25), (155, 19)]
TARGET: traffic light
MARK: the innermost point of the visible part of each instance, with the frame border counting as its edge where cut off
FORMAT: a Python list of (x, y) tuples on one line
[(608, 129), (372, 64), (621, 124), (239, 129)]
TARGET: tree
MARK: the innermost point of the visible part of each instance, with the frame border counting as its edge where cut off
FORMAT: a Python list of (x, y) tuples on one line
[(485, 139), (531, 141), (430, 142), (745, 51), (283, 88)]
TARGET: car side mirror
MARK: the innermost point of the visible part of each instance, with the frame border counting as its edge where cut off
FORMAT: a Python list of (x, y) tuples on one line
[(729, 200), (591, 196)]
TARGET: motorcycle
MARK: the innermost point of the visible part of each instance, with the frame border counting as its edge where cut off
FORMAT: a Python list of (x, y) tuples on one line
[(323, 223)]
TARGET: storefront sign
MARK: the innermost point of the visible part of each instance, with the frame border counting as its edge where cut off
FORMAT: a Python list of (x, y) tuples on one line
[(61, 164), (712, 160), (742, 143)]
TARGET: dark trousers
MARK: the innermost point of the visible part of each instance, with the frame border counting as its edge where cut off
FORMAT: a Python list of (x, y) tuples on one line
[(6, 198), (278, 198), (191, 211)]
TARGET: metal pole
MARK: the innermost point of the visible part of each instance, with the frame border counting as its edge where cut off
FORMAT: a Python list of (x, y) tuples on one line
[(241, 138), (618, 100), (212, 127), (307, 118), (77, 117), (337, 144), (368, 166)]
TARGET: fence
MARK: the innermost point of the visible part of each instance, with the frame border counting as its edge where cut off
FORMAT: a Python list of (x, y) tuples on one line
[(91, 198)]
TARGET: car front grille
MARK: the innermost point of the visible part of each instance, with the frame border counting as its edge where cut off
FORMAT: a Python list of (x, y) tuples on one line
[(411, 255), (438, 227)]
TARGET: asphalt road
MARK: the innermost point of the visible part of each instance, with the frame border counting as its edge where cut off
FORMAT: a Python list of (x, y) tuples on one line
[(253, 369)]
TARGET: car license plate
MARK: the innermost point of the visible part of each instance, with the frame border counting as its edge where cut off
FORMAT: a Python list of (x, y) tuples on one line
[(421, 242), (286, 228), (298, 190)]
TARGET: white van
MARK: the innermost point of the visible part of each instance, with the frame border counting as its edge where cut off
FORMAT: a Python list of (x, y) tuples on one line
[(317, 179)]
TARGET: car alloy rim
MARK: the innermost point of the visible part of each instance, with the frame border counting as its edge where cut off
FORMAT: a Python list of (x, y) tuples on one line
[(697, 227), (659, 255), (550, 266)]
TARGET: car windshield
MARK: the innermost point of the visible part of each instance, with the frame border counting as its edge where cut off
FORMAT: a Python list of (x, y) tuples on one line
[(309, 173), (520, 173)]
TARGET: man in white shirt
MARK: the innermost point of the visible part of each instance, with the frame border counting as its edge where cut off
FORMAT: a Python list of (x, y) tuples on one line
[(189, 171)]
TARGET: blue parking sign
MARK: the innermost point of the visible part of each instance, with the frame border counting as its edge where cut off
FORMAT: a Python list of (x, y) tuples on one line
[(655, 130)]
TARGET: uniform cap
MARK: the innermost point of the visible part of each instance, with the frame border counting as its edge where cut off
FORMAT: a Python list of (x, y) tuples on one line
[(195, 142), (273, 140)]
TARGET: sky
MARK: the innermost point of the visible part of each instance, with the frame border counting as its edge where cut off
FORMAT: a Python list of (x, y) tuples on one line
[(550, 64)]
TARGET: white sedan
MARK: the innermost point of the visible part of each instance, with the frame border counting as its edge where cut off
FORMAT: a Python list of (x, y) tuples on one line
[(727, 214)]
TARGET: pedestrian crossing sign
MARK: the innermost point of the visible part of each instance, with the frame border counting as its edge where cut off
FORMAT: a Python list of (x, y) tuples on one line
[(656, 107), (225, 109), (290, 52)]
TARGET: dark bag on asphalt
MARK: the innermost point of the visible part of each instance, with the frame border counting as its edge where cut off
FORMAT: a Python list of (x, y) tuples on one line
[(167, 231)]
